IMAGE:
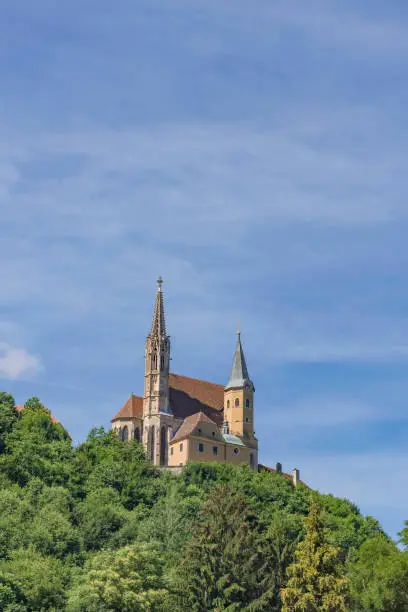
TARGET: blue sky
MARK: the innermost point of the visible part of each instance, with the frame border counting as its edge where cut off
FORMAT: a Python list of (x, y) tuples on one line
[(254, 155)]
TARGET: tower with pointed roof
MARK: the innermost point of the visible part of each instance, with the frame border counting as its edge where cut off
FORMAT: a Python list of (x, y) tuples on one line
[(157, 361), (156, 405), (239, 400)]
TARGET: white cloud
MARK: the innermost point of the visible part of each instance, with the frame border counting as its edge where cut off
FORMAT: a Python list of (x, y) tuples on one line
[(16, 363)]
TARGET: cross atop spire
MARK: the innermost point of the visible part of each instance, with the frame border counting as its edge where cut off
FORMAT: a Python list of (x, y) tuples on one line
[(158, 323), (239, 376)]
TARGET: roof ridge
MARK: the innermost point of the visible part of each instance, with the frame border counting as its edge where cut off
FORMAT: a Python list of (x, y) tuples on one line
[(197, 379)]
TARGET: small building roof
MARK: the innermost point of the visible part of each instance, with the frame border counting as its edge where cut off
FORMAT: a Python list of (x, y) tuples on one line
[(21, 408), (190, 424), (133, 407)]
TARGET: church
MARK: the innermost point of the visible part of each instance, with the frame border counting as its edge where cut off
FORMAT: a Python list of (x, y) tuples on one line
[(181, 419)]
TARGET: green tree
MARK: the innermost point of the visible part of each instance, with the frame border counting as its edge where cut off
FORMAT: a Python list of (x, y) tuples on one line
[(37, 447), (378, 574), (15, 513), (52, 533), (316, 580), (8, 417), (404, 536), (11, 596), (38, 582), (282, 537), (223, 565), (100, 516), (129, 579)]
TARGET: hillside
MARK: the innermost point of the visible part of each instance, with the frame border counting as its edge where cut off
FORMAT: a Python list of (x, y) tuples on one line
[(96, 527)]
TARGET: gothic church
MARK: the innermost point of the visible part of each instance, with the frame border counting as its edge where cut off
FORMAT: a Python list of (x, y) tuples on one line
[(182, 419)]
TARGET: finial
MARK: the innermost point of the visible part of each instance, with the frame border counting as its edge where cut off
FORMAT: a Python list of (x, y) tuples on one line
[(239, 328), (159, 283)]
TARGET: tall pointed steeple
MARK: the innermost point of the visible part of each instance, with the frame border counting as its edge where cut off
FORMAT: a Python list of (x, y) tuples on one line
[(158, 323), (239, 376), (157, 360)]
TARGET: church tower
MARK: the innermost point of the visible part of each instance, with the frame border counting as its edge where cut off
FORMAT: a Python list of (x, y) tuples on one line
[(157, 361), (239, 400), (156, 408)]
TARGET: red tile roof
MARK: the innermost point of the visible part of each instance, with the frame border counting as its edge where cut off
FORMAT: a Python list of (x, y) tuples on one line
[(20, 408), (133, 407), (189, 425), (188, 396)]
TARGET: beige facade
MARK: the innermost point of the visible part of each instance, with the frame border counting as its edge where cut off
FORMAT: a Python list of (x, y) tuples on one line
[(180, 419), (202, 449)]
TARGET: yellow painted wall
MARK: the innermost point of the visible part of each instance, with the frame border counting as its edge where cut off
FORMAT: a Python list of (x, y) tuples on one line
[(240, 418), (178, 453), (191, 452), (194, 454)]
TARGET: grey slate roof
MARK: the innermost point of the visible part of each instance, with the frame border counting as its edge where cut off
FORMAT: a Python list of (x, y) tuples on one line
[(230, 439), (239, 376)]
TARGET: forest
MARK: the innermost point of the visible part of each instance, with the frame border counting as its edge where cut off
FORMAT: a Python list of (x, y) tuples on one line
[(95, 527)]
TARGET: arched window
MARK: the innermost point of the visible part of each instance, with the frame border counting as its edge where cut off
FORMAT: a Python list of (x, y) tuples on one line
[(125, 433), (151, 444), (251, 460), (154, 361), (119, 433), (237, 402), (247, 403), (162, 363), (228, 403), (163, 445), (136, 434)]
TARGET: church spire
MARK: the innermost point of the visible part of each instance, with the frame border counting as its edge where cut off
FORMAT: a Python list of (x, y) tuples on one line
[(158, 323), (239, 376)]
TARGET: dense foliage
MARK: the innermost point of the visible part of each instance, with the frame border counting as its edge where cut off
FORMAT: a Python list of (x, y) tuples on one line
[(96, 527)]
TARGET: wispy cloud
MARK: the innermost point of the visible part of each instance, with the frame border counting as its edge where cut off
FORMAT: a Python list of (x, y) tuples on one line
[(16, 363)]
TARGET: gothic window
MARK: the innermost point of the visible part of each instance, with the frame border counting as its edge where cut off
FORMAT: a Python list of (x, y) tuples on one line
[(151, 443), (125, 433), (201, 448), (247, 403), (136, 435), (163, 445), (181, 447), (172, 451), (237, 402), (162, 363), (251, 459), (119, 433), (228, 403), (154, 361)]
